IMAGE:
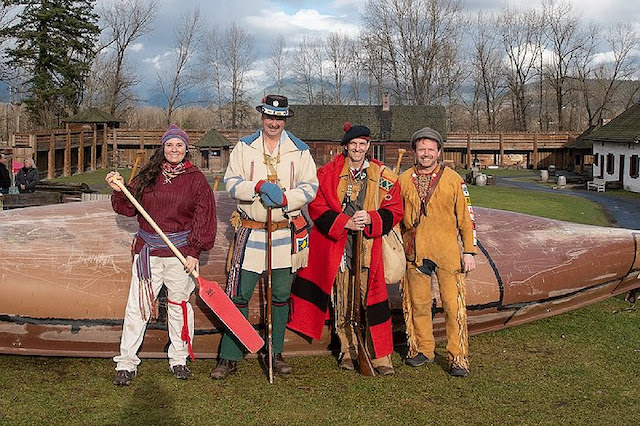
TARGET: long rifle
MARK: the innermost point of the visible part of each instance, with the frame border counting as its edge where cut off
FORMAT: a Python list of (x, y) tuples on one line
[(401, 152), (364, 359), (269, 316)]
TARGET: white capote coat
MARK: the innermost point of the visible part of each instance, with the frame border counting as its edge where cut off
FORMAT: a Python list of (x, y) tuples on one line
[(296, 174)]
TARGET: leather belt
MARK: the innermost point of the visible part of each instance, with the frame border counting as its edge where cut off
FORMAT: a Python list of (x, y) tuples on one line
[(252, 224)]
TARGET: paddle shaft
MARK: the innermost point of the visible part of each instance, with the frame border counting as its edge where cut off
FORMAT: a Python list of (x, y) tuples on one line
[(153, 224)]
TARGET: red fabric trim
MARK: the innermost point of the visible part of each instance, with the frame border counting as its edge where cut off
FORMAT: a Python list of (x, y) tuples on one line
[(374, 230), (185, 326), (258, 185)]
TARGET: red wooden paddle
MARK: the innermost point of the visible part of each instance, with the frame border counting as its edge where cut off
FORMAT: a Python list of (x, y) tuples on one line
[(210, 291)]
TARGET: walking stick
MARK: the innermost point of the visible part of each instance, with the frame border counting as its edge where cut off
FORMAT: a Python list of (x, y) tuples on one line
[(269, 316), (364, 359), (209, 291)]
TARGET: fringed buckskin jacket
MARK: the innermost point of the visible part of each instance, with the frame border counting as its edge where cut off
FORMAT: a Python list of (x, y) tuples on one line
[(310, 293), (449, 214)]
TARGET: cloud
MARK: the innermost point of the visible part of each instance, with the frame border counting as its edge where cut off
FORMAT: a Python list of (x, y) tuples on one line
[(269, 23), (137, 47)]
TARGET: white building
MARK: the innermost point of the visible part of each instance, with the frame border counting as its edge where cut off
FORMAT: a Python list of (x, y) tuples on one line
[(616, 150)]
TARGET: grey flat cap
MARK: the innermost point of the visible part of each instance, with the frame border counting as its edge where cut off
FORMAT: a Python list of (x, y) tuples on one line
[(425, 133)]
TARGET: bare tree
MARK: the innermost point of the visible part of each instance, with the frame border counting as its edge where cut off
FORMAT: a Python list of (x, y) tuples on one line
[(212, 70), (125, 21), (520, 31), (415, 34), (563, 35), (488, 70), (340, 54), (279, 62), (237, 53), (305, 68), (181, 76), (600, 76)]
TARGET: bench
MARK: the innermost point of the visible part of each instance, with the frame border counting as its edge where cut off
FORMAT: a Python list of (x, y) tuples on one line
[(597, 183)]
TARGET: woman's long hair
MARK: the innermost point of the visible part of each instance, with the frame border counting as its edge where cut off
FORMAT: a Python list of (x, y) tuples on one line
[(147, 176)]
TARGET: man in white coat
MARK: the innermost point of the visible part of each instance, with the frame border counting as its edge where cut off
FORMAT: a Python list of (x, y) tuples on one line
[(270, 168)]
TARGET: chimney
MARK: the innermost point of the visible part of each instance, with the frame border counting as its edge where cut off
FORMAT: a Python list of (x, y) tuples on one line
[(385, 118), (385, 101)]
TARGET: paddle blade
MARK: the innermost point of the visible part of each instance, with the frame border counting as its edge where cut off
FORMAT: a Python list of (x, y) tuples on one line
[(221, 305)]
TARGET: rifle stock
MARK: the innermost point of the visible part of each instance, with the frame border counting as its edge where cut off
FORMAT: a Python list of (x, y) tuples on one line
[(365, 367)]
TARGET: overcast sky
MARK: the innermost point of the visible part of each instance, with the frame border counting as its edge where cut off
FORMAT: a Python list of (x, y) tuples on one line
[(296, 18)]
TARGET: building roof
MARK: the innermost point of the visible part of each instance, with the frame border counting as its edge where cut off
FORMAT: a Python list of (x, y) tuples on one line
[(213, 139), (326, 122), (625, 128), (92, 115), (581, 142)]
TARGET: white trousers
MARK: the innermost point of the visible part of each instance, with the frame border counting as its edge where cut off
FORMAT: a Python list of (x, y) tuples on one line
[(170, 272)]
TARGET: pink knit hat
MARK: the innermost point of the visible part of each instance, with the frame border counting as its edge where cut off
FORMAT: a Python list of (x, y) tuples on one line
[(175, 132)]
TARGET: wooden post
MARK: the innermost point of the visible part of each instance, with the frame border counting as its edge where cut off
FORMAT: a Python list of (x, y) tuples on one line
[(501, 157), (94, 149), (535, 151), (66, 169), (33, 143), (115, 149), (104, 147), (80, 168), (51, 160), (468, 150)]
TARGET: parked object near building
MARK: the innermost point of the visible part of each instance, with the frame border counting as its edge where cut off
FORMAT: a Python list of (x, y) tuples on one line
[(66, 270)]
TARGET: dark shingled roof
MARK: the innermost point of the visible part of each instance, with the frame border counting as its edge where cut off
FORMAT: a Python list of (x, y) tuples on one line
[(581, 142), (213, 139), (92, 115), (625, 128), (326, 122)]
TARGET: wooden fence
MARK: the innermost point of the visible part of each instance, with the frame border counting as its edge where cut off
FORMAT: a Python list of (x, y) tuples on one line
[(63, 152)]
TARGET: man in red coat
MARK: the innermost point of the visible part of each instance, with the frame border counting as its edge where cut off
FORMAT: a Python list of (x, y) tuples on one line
[(355, 194)]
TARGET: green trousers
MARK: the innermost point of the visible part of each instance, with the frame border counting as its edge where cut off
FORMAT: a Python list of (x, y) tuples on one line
[(230, 347)]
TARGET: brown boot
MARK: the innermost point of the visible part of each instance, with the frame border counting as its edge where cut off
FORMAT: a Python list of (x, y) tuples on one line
[(224, 368), (345, 362), (279, 365)]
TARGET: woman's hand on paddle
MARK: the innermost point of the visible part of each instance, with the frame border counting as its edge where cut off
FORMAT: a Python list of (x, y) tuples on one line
[(113, 176), (191, 264)]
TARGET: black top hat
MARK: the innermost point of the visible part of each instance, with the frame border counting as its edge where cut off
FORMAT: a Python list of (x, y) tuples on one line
[(275, 105)]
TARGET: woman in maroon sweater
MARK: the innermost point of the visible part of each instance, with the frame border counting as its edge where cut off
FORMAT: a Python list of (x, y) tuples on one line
[(177, 196)]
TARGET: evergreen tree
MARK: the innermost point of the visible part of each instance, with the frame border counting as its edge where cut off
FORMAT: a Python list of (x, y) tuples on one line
[(54, 42)]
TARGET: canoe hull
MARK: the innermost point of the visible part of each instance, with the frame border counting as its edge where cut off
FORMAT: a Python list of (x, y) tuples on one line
[(66, 272)]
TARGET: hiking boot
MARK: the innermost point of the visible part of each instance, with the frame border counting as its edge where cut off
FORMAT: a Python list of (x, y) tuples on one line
[(418, 360), (224, 368), (345, 363), (457, 371), (279, 365), (181, 372), (383, 370), (124, 377)]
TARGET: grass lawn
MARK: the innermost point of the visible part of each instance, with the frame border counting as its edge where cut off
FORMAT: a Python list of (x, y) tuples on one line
[(577, 368), (554, 206)]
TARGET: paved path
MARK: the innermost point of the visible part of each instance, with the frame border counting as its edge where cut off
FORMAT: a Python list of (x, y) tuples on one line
[(625, 211)]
